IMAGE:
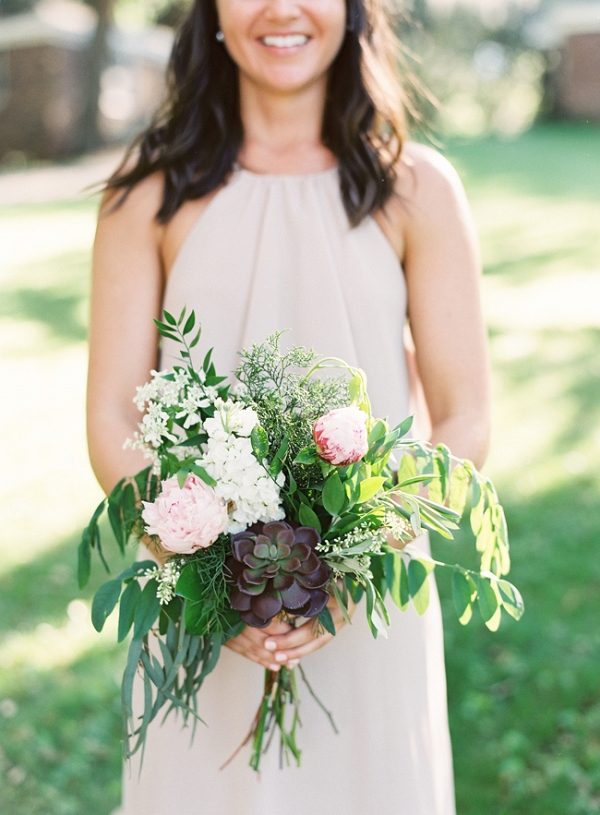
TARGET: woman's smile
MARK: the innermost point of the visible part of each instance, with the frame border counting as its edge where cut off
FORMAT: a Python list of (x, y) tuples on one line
[(284, 44)]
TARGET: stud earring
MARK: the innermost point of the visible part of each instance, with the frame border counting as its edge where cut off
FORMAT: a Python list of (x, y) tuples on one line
[(219, 36)]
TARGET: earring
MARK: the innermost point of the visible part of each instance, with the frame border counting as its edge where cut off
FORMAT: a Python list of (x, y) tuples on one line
[(219, 36)]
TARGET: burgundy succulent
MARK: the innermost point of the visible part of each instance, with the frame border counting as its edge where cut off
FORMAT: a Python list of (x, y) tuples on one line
[(275, 568)]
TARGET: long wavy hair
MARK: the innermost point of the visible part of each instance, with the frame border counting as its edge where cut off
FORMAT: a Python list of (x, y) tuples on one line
[(195, 138)]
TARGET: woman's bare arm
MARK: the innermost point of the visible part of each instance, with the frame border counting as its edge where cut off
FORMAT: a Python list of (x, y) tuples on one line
[(127, 286), (442, 267)]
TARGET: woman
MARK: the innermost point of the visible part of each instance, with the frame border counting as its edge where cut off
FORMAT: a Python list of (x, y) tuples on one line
[(277, 191)]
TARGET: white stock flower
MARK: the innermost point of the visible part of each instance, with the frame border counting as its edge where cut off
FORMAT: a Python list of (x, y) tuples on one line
[(242, 482)]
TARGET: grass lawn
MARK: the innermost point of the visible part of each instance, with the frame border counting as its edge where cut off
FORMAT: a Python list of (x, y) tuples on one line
[(524, 702)]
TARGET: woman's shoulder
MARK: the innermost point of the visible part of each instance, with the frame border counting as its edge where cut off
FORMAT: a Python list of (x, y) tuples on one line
[(423, 173)]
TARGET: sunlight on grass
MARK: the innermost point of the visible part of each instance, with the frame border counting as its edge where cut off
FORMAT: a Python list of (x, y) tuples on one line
[(50, 646)]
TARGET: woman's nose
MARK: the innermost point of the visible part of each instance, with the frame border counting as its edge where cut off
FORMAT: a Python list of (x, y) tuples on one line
[(282, 10)]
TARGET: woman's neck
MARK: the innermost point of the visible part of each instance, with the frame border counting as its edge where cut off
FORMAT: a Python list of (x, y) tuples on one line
[(282, 132)]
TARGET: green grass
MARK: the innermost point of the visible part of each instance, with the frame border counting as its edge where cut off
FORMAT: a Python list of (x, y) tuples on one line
[(524, 702)]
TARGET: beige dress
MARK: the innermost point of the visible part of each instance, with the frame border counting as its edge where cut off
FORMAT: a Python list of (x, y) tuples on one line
[(272, 252)]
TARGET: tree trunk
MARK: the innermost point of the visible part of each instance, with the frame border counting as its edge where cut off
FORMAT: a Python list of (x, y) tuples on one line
[(97, 58)]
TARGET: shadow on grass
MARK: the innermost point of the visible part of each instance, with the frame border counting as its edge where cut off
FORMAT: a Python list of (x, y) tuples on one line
[(59, 305), (525, 702), (572, 358)]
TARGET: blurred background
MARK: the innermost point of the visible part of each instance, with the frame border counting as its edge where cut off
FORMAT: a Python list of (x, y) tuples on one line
[(510, 92)]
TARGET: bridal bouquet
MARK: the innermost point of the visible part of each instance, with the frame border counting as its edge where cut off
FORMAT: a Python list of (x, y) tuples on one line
[(275, 497)]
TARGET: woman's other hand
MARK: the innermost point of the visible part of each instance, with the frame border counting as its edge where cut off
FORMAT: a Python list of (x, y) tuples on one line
[(282, 645)]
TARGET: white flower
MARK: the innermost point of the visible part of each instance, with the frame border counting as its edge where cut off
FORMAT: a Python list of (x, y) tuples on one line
[(242, 482), (166, 576)]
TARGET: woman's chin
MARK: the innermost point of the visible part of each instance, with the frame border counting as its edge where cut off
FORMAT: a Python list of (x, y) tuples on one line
[(286, 80)]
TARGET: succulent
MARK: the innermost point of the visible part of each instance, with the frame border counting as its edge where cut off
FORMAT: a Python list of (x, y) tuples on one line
[(275, 568)]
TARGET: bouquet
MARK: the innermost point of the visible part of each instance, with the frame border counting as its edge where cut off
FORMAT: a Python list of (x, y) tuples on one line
[(273, 497)]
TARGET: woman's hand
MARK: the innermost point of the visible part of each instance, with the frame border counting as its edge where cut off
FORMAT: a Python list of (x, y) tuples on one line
[(281, 645)]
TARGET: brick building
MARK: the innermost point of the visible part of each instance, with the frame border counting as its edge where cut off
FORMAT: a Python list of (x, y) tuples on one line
[(569, 32), (43, 59)]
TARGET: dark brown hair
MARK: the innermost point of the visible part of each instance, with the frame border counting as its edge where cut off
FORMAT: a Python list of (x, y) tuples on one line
[(195, 138)]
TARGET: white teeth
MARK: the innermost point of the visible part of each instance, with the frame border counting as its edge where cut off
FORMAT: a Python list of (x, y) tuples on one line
[(287, 41)]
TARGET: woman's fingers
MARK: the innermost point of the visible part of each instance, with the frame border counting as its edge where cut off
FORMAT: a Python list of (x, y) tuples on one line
[(245, 651)]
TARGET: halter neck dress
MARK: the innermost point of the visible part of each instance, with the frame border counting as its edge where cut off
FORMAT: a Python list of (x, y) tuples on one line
[(272, 252)]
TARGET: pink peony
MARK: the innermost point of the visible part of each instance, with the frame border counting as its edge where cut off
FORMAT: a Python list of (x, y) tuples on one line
[(341, 436), (188, 518)]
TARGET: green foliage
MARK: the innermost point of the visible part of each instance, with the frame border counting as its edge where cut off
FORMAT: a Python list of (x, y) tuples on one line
[(287, 401)]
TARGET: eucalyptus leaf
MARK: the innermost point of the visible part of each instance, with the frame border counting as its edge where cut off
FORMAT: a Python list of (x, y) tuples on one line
[(147, 610), (84, 562), (104, 601), (129, 600)]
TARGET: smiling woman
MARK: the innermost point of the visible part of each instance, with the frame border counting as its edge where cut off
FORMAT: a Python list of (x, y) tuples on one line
[(301, 53), (276, 190)]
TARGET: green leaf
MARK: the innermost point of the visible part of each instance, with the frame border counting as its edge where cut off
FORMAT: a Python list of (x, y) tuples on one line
[(116, 523), (133, 658), (197, 618), (189, 323), (355, 389), (84, 561), (378, 431), (189, 585), (464, 591), (104, 601), (129, 600), (418, 584), (369, 488), (277, 463), (169, 318), (326, 621), (308, 455), (146, 610), (182, 475), (308, 517), (194, 441), (404, 426), (196, 339), (260, 442), (201, 473), (181, 317), (334, 494), (486, 599), (436, 486), (459, 488), (406, 472), (397, 580), (511, 599), (341, 602)]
